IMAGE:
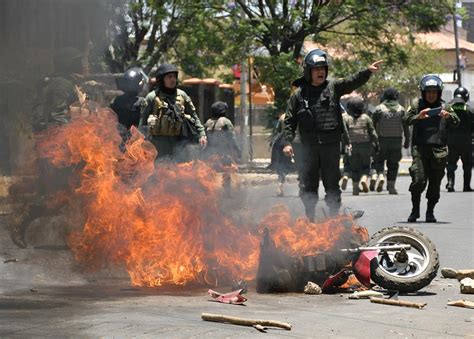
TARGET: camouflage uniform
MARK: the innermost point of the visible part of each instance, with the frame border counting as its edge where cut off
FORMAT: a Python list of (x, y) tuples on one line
[(363, 139), (429, 152), (460, 144), (390, 129), (164, 114)]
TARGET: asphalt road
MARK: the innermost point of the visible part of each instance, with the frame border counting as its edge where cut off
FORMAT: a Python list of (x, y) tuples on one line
[(43, 294)]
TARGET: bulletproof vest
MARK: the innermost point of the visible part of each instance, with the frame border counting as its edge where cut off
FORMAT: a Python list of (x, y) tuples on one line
[(217, 131), (429, 131), (357, 128), (462, 133), (167, 116), (318, 114), (390, 124)]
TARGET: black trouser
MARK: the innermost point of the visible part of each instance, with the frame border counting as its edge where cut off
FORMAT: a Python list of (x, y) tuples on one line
[(427, 168), (359, 160), (463, 151), (391, 152), (315, 161)]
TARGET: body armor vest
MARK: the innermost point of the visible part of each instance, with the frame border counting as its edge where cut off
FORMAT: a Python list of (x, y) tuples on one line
[(318, 115), (167, 118), (390, 124), (430, 131), (358, 131)]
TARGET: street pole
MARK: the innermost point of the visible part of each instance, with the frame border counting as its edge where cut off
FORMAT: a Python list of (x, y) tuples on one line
[(244, 114), (250, 110), (456, 41)]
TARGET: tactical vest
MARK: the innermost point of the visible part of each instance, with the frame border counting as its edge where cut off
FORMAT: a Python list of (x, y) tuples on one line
[(390, 124), (321, 118), (167, 119), (357, 128), (429, 131)]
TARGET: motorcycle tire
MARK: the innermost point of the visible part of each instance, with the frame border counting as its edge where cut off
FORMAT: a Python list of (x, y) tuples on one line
[(406, 284)]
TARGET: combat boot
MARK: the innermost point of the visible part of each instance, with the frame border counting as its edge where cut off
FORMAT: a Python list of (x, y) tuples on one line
[(381, 181), (355, 187), (450, 184), (467, 181), (363, 183), (280, 190), (309, 200), (415, 210), (344, 181), (391, 187), (430, 212), (373, 181)]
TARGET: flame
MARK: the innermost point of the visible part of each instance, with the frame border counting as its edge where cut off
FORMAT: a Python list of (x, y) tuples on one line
[(163, 222)]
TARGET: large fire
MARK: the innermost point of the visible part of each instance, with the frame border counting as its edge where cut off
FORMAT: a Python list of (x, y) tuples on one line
[(164, 222)]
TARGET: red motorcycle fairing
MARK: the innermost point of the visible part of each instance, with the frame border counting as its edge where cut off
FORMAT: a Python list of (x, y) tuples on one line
[(361, 266)]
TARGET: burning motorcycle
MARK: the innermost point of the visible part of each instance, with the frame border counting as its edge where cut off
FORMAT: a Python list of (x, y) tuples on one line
[(395, 258)]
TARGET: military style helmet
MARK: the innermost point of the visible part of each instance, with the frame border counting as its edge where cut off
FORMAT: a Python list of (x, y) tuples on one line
[(461, 92), (389, 94), (431, 81), (133, 80), (355, 106), (314, 58), (164, 69), (219, 109)]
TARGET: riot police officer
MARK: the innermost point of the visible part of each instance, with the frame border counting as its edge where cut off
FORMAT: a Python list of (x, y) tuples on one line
[(363, 139), (314, 109), (390, 129), (459, 140), (430, 121), (128, 105), (171, 116)]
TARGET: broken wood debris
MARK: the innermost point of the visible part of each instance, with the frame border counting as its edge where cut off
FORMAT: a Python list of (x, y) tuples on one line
[(10, 260), (220, 318), (397, 302), (365, 294), (462, 303), (451, 273)]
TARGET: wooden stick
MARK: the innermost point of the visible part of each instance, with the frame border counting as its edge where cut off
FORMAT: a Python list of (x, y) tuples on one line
[(462, 303), (220, 318), (397, 302), (451, 273)]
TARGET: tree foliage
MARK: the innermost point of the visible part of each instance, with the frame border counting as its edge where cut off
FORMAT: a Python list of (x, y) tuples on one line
[(202, 35)]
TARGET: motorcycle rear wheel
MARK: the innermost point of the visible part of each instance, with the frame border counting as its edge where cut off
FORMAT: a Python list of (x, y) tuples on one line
[(412, 275)]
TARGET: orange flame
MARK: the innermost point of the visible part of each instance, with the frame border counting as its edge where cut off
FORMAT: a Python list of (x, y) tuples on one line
[(163, 222)]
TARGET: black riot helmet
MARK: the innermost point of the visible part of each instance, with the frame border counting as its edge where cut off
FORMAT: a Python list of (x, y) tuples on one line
[(132, 81), (462, 93), (314, 58), (164, 69), (355, 106), (389, 94), (219, 109)]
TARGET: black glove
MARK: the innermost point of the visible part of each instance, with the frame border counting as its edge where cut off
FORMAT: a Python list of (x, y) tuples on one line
[(406, 144)]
